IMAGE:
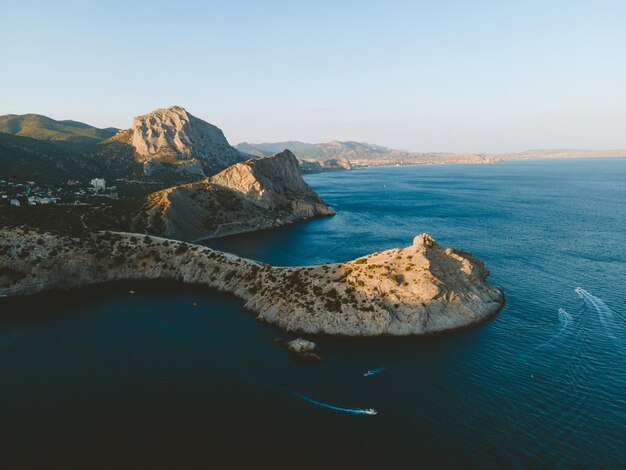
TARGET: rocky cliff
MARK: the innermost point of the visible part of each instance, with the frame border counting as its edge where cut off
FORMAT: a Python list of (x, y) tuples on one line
[(253, 195), (274, 183), (421, 289), (332, 164), (173, 139)]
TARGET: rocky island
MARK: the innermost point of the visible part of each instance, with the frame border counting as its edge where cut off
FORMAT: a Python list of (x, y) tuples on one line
[(420, 289)]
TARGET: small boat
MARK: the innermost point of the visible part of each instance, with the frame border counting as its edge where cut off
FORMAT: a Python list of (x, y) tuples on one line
[(371, 411), (373, 372), (194, 304), (131, 291)]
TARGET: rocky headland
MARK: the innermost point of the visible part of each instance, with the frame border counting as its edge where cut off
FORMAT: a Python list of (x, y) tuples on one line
[(253, 195), (420, 289), (332, 164)]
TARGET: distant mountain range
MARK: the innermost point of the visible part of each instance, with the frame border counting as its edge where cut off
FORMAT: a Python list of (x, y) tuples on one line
[(320, 152), (358, 153), (363, 154)]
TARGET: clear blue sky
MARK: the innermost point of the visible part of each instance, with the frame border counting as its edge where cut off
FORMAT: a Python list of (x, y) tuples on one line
[(436, 75)]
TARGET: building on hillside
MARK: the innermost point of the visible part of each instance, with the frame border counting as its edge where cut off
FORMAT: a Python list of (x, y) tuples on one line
[(98, 184)]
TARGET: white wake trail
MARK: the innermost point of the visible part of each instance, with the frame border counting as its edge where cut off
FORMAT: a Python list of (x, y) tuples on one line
[(565, 318), (352, 411), (611, 322)]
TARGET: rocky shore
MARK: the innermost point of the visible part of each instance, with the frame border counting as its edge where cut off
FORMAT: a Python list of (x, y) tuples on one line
[(421, 289)]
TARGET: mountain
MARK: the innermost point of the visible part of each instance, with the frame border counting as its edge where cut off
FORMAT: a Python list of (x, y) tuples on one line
[(320, 152), (41, 127), (248, 196), (315, 158), (174, 139), (336, 155), (267, 149), (167, 145)]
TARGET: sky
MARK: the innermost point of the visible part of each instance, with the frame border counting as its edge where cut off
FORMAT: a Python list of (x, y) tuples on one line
[(440, 75)]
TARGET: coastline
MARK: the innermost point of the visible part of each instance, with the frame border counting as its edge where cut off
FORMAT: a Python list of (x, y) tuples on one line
[(495, 162), (419, 290)]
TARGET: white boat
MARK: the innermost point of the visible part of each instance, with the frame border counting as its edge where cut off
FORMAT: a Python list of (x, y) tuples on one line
[(373, 372)]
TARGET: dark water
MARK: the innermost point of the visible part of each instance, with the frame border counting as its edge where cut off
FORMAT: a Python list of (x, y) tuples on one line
[(100, 378)]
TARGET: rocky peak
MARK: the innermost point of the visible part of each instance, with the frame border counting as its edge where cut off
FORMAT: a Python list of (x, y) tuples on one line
[(424, 240), (172, 135), (271, 182)]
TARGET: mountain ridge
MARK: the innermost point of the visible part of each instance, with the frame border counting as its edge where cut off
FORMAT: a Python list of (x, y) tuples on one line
[(40, 127), (364, 154)]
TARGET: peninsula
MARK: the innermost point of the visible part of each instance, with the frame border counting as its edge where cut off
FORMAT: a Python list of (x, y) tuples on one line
[(421, 289)]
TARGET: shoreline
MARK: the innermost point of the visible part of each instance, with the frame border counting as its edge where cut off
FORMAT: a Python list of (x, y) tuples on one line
[(418, 290), (497, 161), (103, 287)]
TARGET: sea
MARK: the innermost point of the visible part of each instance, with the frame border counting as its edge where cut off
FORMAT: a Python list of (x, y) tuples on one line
[(179, 376)]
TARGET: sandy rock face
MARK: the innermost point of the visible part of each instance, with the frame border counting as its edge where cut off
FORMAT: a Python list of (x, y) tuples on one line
[(272, 182), (175, 137)]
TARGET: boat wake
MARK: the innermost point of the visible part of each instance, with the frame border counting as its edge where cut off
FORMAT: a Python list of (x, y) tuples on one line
[(611, 321), (371, 372), (352, 411), (287, 391), (565, 319)]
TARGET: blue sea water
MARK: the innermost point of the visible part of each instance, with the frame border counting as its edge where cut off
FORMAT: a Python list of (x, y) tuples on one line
[(100, 378)]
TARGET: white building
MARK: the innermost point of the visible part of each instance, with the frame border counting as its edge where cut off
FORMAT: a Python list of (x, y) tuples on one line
[(15, 202), (98, 184)]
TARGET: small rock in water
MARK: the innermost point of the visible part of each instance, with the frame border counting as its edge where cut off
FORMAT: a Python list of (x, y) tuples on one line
[(302, 348)]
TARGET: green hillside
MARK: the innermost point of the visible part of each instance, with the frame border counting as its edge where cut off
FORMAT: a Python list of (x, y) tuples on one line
[(41, 127), (54, 162)]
